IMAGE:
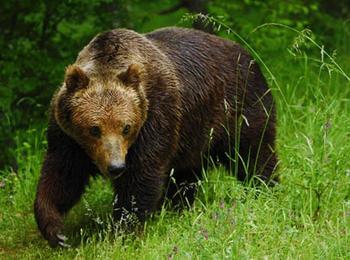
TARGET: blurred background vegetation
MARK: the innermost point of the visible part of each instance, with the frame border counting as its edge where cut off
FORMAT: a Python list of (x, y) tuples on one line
[(39, 38)]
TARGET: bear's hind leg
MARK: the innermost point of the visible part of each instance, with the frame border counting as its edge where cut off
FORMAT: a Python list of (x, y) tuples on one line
[(254, 159), (264, 163), (259, 156)]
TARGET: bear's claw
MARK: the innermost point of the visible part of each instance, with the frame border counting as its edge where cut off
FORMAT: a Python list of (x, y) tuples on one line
[(61, 240), (58, 240), (63, 244), (62, 237)]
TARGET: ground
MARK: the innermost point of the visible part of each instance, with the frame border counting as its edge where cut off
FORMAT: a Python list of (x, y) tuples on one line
[(306, 216)]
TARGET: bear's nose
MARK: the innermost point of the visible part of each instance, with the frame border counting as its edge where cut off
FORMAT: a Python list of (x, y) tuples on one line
[(116, 168)]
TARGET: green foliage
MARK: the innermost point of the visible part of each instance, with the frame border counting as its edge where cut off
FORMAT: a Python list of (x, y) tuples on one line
[(40, 38), (244, 17)]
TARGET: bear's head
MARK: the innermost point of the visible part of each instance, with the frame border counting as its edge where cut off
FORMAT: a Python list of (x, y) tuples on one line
[(104, 116)]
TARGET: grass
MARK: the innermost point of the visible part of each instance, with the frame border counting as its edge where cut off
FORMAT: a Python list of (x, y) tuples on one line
[(307, 216)]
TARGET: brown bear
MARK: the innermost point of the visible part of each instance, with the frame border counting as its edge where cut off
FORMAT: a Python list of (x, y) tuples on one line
[(136, 108)]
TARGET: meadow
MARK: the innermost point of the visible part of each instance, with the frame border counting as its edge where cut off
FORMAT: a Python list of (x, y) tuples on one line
[(306, 216)]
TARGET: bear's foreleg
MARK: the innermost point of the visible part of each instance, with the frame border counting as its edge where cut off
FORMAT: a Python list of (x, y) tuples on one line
[(59, 188), (64, 175), (182, 187), (137, 197)]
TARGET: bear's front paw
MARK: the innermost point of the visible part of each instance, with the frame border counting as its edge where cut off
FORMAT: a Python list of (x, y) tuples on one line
[(55, 238), (58, 240)]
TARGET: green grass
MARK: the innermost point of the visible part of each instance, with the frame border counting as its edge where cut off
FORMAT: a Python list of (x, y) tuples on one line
[(306, 216)]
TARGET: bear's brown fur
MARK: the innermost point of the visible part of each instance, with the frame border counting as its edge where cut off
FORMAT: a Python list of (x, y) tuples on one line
[(137, 107)]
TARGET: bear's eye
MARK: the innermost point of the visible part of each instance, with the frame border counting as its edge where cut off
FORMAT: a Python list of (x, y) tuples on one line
[(126, 129), (95, 131)]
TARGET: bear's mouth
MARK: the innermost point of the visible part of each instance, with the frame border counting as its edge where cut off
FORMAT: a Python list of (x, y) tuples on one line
[(117, 175)]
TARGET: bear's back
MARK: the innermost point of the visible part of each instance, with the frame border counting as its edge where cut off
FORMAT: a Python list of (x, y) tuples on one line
[(194, 50), (206, 65)]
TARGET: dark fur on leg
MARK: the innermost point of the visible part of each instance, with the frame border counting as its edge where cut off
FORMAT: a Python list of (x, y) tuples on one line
[(182, 187), (64, 175)]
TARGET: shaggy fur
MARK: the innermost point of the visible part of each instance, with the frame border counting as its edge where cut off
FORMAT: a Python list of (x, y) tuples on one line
[(184, 94)]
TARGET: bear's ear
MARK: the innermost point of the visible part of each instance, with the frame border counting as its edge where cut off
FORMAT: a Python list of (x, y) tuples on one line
[(75, 78), (132, 76)]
